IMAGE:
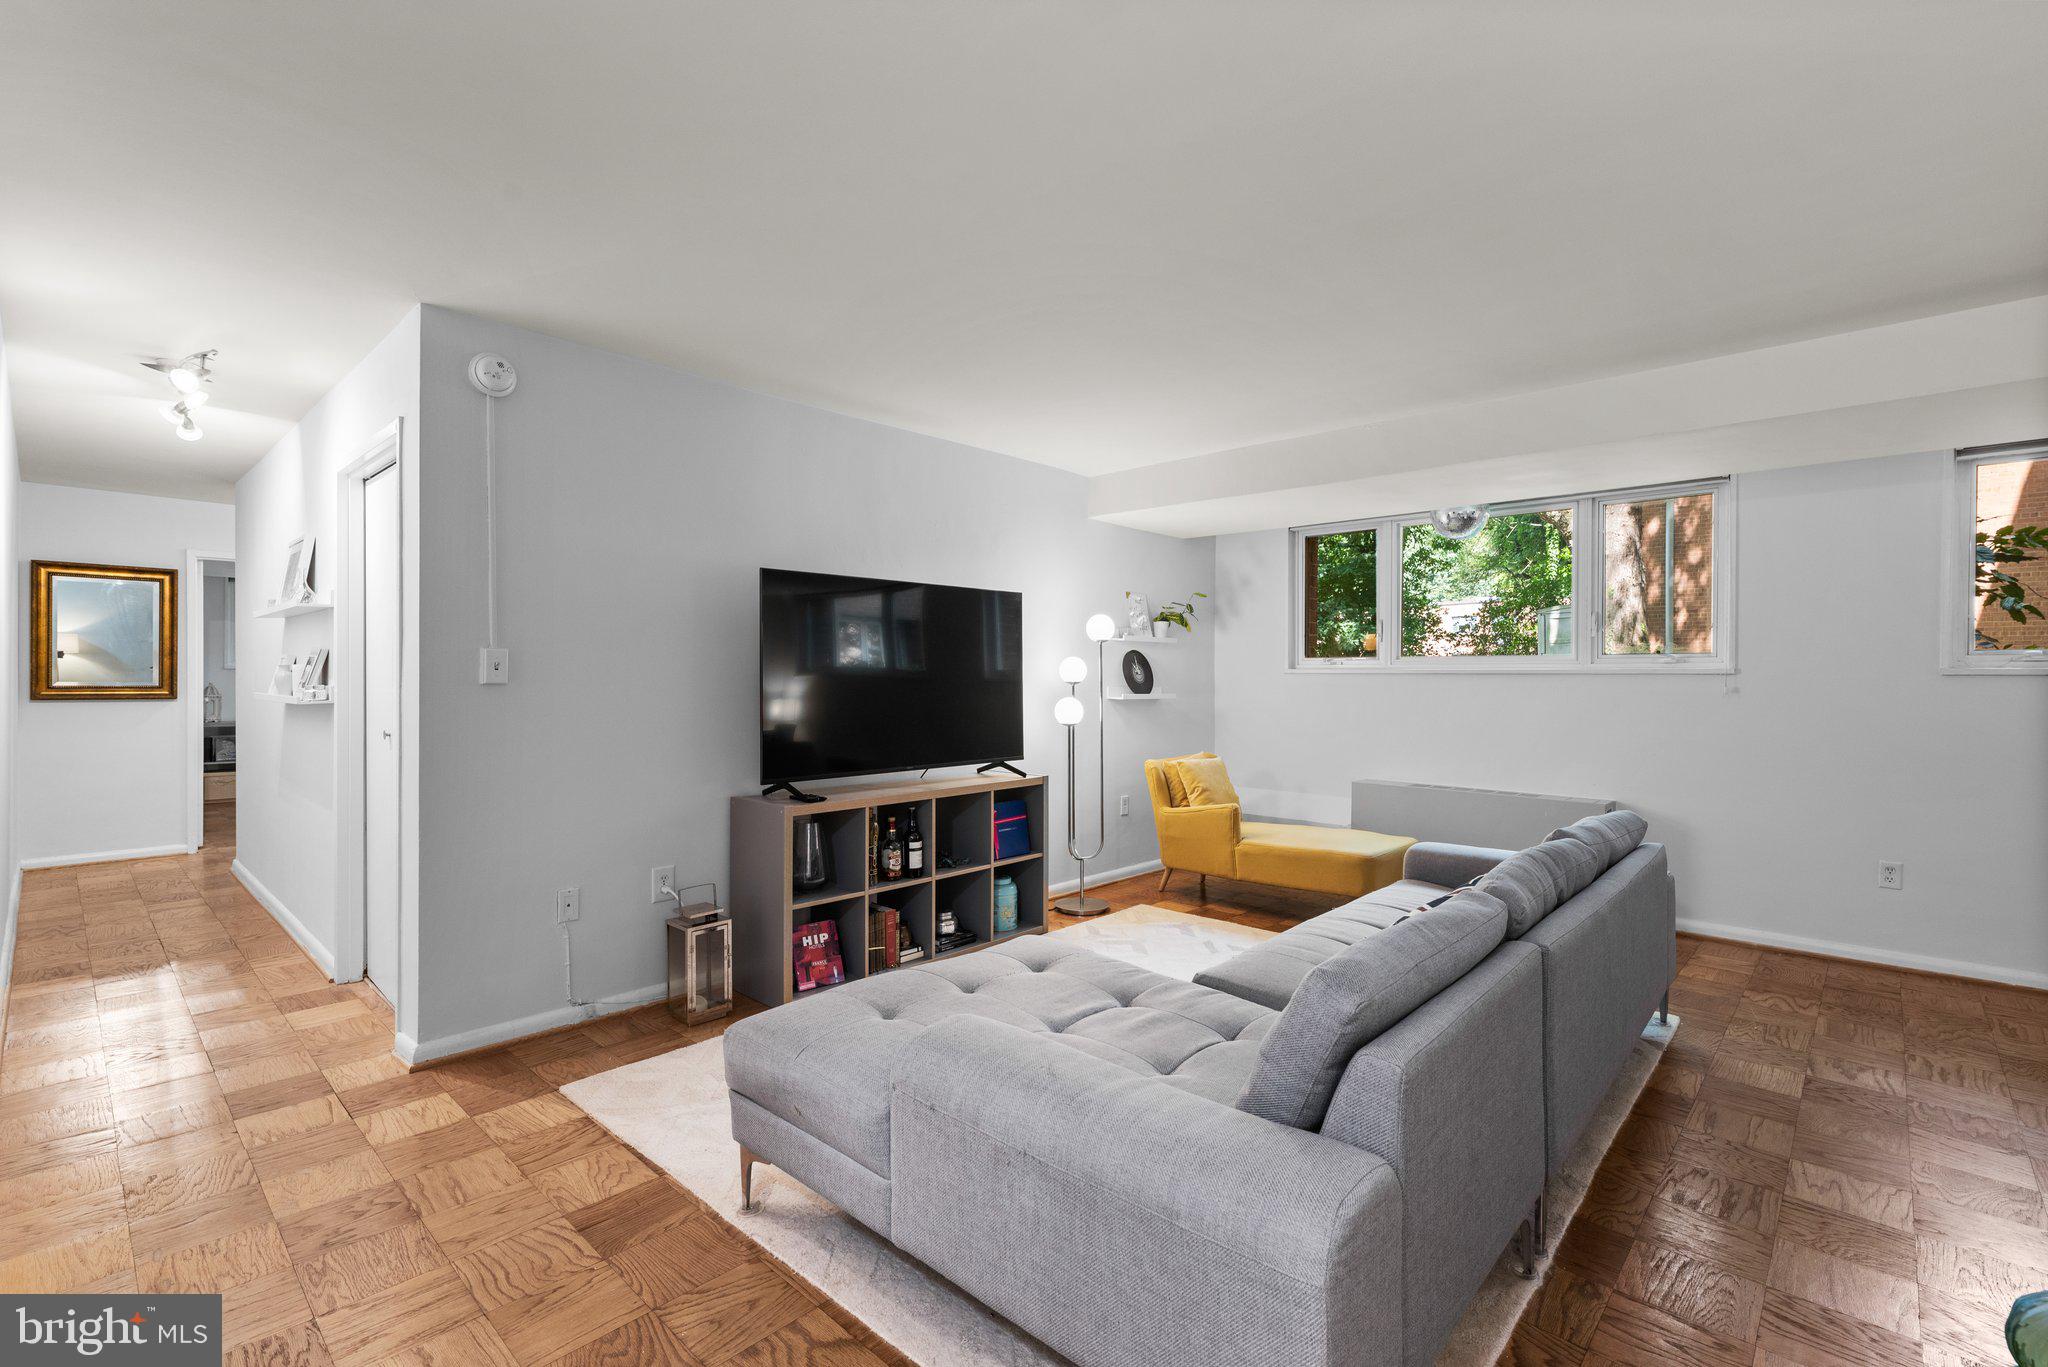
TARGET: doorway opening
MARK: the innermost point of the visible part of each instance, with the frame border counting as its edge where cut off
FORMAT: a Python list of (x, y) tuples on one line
[(209, 685)]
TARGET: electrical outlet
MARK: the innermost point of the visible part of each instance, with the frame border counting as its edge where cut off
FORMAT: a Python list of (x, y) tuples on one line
[(1891, 875), (493, 666), (662, 882), (568, 905), (1123, 805)]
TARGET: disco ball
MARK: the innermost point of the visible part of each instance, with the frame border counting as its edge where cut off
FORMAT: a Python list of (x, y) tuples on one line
[(1460, 523)]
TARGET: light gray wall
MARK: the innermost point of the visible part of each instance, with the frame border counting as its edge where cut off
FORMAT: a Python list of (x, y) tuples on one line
[(10, 649), (1779, 788), (285, 819), (636, 505), (109, 777)]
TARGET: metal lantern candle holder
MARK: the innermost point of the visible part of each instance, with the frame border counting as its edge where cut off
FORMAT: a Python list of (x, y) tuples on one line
[(699, 960)]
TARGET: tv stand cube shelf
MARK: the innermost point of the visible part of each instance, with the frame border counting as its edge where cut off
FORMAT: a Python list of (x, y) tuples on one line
[(955, 816)]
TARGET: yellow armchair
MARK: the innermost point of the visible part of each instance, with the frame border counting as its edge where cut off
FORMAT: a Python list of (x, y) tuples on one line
[(1215, 839)]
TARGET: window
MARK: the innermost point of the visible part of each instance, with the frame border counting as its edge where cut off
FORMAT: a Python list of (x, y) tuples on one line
[(1657, 566), (1340, 589), (1996, 601), (1645, 588), (1506, 591)]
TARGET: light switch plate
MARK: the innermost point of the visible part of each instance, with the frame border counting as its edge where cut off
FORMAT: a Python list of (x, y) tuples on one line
[(493, 666)]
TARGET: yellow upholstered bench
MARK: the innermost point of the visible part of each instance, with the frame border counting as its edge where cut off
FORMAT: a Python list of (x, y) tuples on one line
[(1202, 832)]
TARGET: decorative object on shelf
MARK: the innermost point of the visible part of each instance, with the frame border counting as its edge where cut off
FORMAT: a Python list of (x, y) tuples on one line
[(951, 935), (1006, 905), (298, 573), (699, 960), (1012, 828), (817, 962), (811, 856), (315, 693), (312, 670), (1180, 615), (105, 632), (1068, 712), (1137, 672), (908, 950), (285, 677), (1460, 522), (1137, 614), (210, 703)]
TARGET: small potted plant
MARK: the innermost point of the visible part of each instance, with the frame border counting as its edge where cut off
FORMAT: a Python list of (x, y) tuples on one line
[(1174, 614)]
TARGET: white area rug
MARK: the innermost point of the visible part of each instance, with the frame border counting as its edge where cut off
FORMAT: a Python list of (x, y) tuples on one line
[(672, 1109)]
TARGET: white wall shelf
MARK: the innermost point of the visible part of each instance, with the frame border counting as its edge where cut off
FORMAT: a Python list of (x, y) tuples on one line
[(1147, 641), (290, 700), (1140, 697), (298, 609)]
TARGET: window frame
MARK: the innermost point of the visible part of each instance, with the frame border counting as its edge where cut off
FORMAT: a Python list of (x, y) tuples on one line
[(1958, 575), (1588, 600)]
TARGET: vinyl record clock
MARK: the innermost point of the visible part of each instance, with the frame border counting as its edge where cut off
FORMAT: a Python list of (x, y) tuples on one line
[(1137, 672)]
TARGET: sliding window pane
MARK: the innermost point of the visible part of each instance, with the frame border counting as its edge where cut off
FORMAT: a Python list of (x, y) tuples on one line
[(1659, 576), (1506, 591), (1341, 574), (2011, 556)]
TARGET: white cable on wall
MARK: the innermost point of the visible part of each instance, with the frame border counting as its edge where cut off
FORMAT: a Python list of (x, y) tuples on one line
[(490, 524), (494, 378)]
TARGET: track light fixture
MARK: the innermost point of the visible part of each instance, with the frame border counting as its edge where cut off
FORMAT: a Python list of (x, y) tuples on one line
[(189, 377)]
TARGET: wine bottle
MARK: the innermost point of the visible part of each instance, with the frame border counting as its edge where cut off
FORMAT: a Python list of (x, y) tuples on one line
[(892, 853), (913, 849)]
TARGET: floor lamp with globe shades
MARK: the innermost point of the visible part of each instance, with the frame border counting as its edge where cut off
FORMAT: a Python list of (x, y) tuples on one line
[(1068, 712)]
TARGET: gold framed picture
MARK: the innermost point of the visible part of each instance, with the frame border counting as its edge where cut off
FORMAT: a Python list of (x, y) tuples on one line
[(102, 631)]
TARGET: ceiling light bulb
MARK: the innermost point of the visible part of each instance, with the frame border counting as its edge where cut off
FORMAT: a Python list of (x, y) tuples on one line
[(1073, 669), (186, 380), (173, 412), (196, 399), (1068, 711), (1100, 627), (188, 430)]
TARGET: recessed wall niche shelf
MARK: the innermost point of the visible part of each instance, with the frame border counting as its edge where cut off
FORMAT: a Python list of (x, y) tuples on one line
[(298, 609), (955, 816)]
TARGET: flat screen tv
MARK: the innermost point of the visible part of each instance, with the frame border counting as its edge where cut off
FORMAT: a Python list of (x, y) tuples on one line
[(873, 676)]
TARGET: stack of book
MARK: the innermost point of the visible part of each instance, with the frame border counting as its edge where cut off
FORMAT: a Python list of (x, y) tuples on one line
[(885, 926), (815, 946)]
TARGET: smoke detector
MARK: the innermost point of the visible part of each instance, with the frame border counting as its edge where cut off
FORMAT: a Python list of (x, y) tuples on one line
[(493, 375)]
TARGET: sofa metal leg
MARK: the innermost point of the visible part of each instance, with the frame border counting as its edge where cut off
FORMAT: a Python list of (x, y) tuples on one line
[(1664, 1010), (747, 1161), (1525, 1246), (1164, 875)]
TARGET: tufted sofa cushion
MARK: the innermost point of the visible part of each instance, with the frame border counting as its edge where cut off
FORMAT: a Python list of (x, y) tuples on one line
[(826, 1063)]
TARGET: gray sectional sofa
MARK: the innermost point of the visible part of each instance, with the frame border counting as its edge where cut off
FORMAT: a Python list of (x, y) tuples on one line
[(1311, 1155)]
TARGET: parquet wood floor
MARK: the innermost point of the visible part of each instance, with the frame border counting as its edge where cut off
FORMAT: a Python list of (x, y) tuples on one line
[(1834, 1164)]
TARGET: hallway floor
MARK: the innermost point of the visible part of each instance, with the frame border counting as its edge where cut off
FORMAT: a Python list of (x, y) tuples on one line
[(1835, 1164)]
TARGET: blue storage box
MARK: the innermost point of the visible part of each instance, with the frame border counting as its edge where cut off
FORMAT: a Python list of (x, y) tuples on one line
[(1013, 828)]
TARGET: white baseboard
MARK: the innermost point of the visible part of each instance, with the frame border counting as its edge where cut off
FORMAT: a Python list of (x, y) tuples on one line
[(1955, 968), (1096, 878), (65, 861), (319, 953), (410, 1050)]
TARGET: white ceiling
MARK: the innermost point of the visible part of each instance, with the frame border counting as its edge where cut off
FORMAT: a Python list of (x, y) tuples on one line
[(1100, 235)]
